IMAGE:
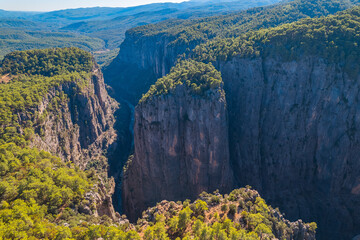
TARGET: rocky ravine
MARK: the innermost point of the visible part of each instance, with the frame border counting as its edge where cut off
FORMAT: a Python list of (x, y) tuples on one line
[(181, 150), (294, 136)]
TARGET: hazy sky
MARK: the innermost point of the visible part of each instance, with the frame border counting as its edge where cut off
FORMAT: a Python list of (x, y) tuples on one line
[(49, 5)]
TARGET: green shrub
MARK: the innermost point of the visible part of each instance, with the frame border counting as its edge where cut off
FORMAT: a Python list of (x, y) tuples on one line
[(232, 209), (224, 208)]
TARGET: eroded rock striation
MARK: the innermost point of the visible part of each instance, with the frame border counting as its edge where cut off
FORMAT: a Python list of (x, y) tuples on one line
[(293, 136)]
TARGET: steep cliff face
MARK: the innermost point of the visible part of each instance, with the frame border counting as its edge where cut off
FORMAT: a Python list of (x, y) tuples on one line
[(76, 120), (152, 52), (181, 150), (294, 137), (292, 125)]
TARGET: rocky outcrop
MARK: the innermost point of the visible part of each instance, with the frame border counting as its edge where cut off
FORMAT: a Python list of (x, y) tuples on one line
[(293, 130), (101, 197), (181, 150)]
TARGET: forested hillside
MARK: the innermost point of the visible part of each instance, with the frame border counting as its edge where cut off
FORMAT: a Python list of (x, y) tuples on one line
[(41, 196), (112, 31), (19, 35), (333, 38), (232, 25)]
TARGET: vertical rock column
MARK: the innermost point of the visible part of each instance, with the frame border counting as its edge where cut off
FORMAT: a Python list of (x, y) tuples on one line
[(181, 149)]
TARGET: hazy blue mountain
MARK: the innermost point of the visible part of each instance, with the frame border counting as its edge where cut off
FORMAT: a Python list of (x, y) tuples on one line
[(16, 14), (112, 31)]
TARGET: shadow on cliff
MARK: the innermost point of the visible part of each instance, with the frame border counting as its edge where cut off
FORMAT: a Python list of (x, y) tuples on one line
[(120, 150)]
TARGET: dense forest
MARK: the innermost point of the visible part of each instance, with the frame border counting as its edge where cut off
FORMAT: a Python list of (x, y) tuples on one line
[(232, 25), (196, 76), (47, 62), (21, 35)]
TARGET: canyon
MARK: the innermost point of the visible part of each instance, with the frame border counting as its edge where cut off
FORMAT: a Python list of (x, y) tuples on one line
[(191, 130), (291, 124), (292, 135)]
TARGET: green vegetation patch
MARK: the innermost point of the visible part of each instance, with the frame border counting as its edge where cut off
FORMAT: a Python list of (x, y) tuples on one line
[(47, 62), (198, 77), (335, 38), (40, 198), (242, 214)]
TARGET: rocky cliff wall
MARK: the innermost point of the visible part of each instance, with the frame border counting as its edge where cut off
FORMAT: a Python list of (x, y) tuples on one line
[(181, 150), (293, 130), (75, 122)]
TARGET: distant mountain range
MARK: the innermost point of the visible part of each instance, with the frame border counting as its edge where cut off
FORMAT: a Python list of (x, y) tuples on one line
[(104, 26)]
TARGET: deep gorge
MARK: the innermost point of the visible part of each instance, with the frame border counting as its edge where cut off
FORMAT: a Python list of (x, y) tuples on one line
[(292, 128)]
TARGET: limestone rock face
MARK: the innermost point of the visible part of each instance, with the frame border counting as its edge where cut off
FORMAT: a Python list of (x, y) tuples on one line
[(181, 150), (75, 122), (294, 136)]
